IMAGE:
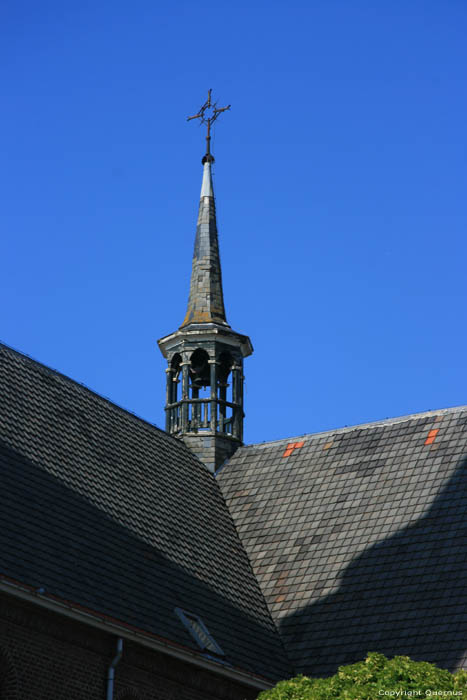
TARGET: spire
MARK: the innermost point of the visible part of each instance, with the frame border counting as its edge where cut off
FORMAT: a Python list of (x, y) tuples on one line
[(204, 375), (206, 300)]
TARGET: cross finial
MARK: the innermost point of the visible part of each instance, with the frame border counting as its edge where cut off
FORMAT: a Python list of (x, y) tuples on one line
[(208, 120)]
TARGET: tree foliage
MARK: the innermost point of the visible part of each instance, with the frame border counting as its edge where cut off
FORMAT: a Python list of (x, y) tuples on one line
[(375, 677)]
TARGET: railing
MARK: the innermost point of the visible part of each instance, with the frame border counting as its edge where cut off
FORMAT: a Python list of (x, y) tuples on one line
[(202, 415)]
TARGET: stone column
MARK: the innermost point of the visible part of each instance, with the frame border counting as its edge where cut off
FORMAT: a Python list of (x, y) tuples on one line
[(195, 411), (185, 397), (222, 406), (213, 421), (240, 401), (168, 399), (237, 400)]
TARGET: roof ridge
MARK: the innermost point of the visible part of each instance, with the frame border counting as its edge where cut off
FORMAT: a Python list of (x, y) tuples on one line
[(349, 428), (87, 389)]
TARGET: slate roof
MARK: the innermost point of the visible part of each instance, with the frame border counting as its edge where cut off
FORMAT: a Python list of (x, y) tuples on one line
[(358, 538), (105, 510), (206, 300)]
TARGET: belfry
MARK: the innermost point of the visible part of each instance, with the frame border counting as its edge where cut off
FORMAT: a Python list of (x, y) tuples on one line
[(204, 400)]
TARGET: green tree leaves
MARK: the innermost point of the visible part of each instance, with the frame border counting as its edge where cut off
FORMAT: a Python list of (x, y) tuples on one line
[(375, 678)]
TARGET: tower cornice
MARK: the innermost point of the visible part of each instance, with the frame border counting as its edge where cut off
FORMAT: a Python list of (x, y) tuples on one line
[(206, 332)]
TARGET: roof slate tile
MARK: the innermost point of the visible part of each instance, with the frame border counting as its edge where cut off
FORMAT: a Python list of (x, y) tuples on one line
[(107, 511), (371, 532)]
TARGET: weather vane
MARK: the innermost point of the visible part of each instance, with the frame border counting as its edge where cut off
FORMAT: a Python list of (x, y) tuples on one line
[(214, 112)]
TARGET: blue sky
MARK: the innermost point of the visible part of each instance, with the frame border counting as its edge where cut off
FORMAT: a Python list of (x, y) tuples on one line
[(340, 179)]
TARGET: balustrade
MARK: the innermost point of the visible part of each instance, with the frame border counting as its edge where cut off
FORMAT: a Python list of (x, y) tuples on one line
[(202, 415)]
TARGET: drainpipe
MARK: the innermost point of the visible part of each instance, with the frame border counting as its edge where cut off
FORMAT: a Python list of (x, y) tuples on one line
[(112, 667)]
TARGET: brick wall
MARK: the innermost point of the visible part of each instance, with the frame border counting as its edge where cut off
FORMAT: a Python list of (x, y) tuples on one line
[(44, 656)]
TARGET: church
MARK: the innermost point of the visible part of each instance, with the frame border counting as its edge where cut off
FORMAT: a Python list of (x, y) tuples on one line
[(141, 563)]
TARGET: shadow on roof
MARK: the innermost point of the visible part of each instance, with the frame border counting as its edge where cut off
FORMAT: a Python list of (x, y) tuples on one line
[(54, 538), (405, 595)]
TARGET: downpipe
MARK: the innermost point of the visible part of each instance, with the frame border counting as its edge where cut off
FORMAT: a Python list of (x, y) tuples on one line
[(112, 667)]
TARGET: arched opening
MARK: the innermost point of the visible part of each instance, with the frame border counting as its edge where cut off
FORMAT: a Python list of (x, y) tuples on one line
[(200, 373), (173, 409), (175, 367), (200, 390)]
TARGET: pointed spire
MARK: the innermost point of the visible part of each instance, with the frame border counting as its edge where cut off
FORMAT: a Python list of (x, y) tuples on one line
[(206, 300), (205, 353)]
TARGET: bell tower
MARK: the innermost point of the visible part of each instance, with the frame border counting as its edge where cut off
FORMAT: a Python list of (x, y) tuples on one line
[(204, 399)]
